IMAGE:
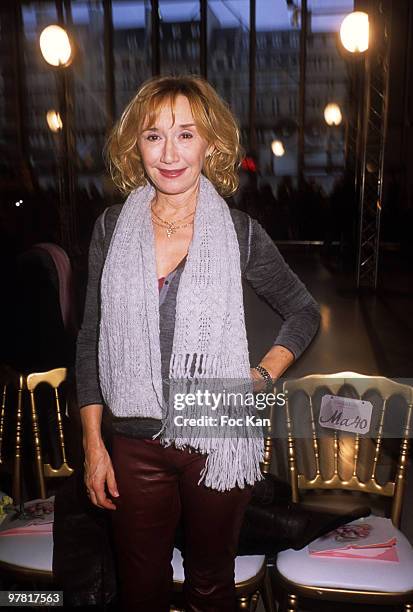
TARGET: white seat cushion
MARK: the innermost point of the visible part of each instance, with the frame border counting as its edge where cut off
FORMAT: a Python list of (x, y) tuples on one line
[(29, 551), (34, 552), (300, 567), (177, 564), (245, 567)]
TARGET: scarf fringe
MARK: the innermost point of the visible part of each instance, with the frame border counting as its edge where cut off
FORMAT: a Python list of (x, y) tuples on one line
[(197, 365), (232, 463)]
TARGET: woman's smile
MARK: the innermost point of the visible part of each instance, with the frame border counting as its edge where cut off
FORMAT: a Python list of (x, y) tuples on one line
[(171, 174)]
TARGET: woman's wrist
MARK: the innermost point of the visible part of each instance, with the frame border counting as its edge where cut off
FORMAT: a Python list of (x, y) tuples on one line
[(265, 377), (91, 418), (92, 441), (277, 361)]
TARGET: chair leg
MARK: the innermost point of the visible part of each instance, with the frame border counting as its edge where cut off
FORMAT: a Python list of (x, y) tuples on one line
[(244, 603), (249, 602), (254, 600), (292, 603), (267, 594)]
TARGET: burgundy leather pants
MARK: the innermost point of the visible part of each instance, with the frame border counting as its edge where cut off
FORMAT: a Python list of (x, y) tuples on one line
[(157, 484)]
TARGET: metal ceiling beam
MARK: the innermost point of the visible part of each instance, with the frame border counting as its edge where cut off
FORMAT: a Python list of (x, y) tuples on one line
[(376, 96)]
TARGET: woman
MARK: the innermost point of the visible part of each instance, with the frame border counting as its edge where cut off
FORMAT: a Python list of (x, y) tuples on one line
[(164, 303)]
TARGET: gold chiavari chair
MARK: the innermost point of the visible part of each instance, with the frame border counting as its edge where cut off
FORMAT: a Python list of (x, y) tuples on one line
[(251, 575), (53, 378), (346, 462), (30, 556)]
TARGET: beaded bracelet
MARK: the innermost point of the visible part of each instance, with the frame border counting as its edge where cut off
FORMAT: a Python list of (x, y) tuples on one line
[(266, 376)]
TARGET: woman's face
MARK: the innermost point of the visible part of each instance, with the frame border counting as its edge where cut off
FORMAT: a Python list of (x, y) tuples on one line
[(173, 152)]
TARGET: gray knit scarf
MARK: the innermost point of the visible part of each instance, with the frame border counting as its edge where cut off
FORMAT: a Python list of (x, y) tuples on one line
[(210, 339)]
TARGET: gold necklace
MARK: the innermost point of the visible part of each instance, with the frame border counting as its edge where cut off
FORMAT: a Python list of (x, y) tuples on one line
[(171, 226), (171, 229), (173, 222)]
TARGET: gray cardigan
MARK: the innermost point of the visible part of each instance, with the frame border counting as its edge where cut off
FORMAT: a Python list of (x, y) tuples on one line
[(262, 266)]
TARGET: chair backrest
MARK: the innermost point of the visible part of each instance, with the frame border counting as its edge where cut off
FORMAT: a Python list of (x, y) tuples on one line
[(266, 463), (11, 382), (343, 450), (53, 378), (7, 380)]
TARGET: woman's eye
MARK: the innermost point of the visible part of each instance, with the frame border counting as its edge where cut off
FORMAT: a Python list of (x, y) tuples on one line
[(152, 137), (187, 135)]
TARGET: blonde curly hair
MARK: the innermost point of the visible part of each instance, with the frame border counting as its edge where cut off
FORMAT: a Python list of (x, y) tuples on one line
[(213, 118)]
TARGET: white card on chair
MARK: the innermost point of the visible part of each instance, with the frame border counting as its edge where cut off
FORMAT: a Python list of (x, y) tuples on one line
[(369, 538), (345, 413)]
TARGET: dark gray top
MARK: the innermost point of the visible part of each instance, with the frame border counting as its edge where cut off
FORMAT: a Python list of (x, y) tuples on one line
[(262, 266)]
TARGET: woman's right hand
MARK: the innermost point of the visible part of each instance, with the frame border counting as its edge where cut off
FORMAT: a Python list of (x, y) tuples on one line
[(99, 472)]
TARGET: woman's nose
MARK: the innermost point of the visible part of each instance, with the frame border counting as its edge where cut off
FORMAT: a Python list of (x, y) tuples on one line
[(169, 153)]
